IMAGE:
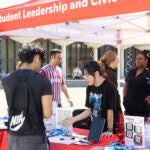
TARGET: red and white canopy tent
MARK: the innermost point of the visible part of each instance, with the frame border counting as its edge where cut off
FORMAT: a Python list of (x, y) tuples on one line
[(111, 22), (107, 21), (114, 22)]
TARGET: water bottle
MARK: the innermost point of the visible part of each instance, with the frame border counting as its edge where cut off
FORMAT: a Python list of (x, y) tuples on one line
[(147, 133)]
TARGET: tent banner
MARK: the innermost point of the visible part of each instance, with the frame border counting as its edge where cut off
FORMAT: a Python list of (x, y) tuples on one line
[(43, 12)]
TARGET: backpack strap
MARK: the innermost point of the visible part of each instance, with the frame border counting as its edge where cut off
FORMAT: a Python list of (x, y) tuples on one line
[(17, 82)]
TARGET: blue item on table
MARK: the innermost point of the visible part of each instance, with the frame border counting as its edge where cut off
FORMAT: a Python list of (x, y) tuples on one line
[(56, 132), (120, 146)]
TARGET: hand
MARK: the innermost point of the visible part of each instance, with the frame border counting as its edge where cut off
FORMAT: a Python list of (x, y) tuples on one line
[(147, 99), (68, 121), (107, 134), (70, 103)]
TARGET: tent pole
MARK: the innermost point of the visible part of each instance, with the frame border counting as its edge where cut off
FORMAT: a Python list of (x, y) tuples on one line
[(118, 72), (64, 60)]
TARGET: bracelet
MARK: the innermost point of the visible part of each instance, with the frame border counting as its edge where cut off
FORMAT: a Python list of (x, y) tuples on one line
[(109, 129)]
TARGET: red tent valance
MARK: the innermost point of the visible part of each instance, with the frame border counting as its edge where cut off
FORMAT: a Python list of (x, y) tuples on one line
[(37, 13)]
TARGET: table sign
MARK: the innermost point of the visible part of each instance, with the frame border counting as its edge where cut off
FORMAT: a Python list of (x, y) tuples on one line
[(147, 133), (134, 131), (61, 114), (50, 123)]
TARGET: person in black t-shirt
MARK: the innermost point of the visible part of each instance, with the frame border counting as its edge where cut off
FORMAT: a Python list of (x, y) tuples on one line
[(100, 99), (31, 58), (136, 90)]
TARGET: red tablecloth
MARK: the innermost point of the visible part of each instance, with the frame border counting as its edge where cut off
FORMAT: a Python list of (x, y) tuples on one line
[(103, 142), (56, 146), (3, 140)]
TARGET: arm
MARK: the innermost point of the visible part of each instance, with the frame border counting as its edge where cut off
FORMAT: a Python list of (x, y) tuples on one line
[(72, 120), (110, 118), (47, 105), (110, 121), (65, 91)]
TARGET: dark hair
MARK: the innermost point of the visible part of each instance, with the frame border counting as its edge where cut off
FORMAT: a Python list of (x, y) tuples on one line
[(92, 67), (147, 54), (53, 52), (28, 51)]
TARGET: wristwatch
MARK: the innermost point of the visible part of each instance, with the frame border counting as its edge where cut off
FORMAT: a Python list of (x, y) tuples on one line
[(109, 129)]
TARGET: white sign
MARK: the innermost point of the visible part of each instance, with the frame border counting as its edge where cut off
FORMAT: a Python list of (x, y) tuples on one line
[(134, 131), (61, 114)]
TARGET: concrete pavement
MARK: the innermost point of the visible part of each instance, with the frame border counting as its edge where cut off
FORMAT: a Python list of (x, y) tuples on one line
[(77, 95)]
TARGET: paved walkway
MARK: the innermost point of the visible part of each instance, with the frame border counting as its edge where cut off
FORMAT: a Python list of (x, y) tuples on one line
[(77, 95)]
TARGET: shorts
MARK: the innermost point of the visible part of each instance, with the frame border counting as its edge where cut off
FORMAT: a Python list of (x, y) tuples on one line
[(32, 142)]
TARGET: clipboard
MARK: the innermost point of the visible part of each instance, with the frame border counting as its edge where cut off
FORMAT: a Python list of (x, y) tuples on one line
[(96, 129)]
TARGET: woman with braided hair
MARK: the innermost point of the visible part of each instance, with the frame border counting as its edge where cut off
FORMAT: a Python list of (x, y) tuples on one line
[(109, 62)]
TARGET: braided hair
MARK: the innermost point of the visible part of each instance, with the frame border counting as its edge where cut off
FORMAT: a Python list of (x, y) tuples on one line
[(107, 58)]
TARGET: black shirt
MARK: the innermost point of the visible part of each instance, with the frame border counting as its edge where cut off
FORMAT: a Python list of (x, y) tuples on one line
[(40, 86), (102, 98), (137, 90), (112, 76)]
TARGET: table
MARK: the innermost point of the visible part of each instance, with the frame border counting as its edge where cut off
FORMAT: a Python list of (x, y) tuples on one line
[(56, 146), (103, 142), (3, 140)]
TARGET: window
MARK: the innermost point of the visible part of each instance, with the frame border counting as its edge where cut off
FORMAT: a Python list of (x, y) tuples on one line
[(129, 59), (9, 50), (103, 49), (77, 54)]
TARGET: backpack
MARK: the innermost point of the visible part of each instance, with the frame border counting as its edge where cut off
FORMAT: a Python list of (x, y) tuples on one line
[(23, 116)]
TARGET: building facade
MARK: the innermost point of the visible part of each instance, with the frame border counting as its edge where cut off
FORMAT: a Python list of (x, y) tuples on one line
[(75, 54)]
